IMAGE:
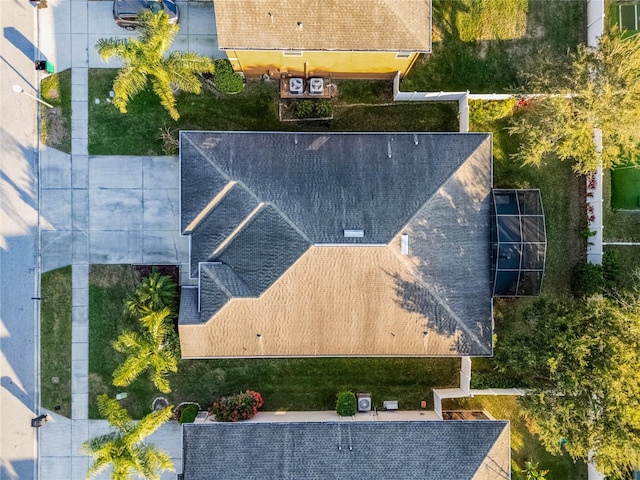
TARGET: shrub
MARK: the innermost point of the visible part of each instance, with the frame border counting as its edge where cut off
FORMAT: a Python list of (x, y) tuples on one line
[(237, 407), (225, 79), (304, 109), (346, 403), (188, 414), (588, 279), (154, 293), (611, 268), (323, 108)]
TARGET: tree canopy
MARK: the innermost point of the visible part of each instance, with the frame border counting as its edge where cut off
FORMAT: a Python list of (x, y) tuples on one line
[(144, 60), (123, 447), (155, 348), (581, 360), (594, 88)]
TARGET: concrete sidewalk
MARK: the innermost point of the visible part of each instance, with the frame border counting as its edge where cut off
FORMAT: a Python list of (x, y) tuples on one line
[(103, 210)]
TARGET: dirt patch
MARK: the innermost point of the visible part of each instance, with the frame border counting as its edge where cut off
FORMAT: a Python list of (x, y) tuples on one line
[(112, 275), (171, 270), (55, 131), (97, 385)]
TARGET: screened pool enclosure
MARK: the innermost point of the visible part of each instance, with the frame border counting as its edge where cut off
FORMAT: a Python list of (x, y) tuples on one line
[(518, 242)]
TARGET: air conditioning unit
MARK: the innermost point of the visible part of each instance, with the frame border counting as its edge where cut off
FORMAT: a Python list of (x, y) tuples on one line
[(364, 402), (296, 86), (316, 86)]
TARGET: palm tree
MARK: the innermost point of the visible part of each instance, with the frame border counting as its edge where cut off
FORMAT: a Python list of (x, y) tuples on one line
[(123, 447), (154, 293), (144, 59), (156, 348)]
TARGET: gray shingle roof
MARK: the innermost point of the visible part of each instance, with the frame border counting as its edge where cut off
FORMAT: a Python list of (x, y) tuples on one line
[(220, 222), (298, 189), (430, 450), (326, 183), (262, 251)]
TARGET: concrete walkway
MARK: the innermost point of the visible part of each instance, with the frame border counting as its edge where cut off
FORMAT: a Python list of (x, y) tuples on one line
[(98, 209)]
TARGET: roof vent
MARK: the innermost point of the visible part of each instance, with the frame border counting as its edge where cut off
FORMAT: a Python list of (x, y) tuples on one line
[(404, 244), (353, 233)]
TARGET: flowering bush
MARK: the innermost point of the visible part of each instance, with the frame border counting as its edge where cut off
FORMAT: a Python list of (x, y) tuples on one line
[(237, 407)]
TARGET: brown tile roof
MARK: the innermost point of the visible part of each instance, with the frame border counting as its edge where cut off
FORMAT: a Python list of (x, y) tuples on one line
[(352, 25)]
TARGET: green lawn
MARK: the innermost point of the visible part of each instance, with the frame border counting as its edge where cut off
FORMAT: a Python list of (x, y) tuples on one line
[(55, 128), (625, 11), (619, 225), (482, 45), (291, 384), (55, 341), (561, 189), (525, 445), (625, 188), (256, 108)]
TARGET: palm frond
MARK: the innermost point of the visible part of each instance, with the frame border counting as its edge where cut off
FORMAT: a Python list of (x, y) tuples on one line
[(148, 424), (162, 88), (129, 341), (183, 68), (131, 368), (154, 461), (156, 31), (111, 409), (109, 48), (98, 466), (130, 81), (156, 319)]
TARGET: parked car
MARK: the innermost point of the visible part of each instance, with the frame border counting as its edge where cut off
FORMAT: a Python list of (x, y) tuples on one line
[(125, 12)]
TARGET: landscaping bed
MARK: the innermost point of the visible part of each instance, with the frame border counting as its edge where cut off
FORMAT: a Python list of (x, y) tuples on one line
[(289, 384), (55, 341)]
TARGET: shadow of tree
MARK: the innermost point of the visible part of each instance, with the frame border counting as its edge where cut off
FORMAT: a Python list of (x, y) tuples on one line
[(493, 65)]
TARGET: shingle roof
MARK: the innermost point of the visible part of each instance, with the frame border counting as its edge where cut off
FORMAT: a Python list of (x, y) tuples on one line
[(348, 25), (429, 450), (309, 188)]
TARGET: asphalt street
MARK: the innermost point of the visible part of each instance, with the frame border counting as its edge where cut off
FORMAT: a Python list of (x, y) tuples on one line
[(19, 311)]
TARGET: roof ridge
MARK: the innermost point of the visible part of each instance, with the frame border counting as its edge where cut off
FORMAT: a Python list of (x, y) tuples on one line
[(206, 157), (238, 229), (210, 206), (418, 276), (216, 280)]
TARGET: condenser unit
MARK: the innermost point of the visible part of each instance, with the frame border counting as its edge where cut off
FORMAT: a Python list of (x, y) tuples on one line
[(316, 86), (364, 402), (296, 86)]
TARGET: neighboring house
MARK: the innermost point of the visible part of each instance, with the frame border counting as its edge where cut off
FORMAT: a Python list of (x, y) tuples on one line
[(337, 244), (425, 450), (337, 38)]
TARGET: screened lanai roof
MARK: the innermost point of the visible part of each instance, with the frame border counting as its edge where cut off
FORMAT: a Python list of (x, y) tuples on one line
[(519, 242)]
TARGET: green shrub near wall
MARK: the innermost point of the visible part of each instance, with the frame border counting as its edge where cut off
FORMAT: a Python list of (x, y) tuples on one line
[(225, 79), (346, 403)]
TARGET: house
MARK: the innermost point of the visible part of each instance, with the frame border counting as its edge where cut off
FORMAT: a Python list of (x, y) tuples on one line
[(337, 38), (336, 244), (426, 450)]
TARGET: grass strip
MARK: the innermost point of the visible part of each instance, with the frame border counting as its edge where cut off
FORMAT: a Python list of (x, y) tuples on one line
[(55, 341)]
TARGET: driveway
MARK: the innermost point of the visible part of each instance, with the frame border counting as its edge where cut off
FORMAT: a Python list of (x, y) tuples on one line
[(126, 207), (197, 31)]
